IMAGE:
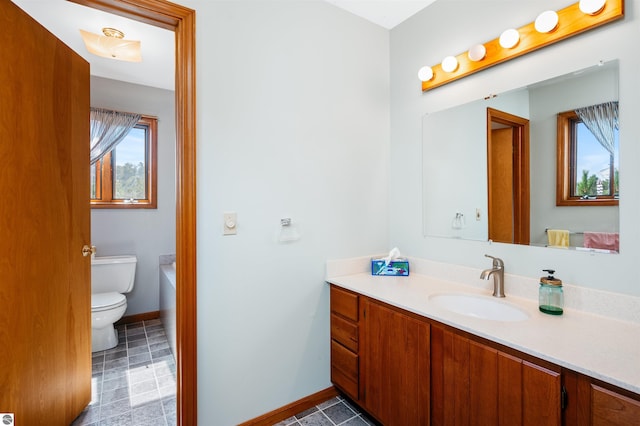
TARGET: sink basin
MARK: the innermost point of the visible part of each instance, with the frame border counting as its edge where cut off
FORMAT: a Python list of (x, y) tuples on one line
[(488, 308)]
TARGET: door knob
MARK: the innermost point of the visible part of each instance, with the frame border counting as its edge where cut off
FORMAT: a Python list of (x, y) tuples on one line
[(86, 250)]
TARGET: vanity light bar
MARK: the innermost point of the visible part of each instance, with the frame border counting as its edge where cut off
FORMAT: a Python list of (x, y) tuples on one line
[(571, 21)]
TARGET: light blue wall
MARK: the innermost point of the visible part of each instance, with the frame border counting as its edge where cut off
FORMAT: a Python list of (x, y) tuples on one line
[(449, 27), (308, 112), (293, 121), (147, 233)]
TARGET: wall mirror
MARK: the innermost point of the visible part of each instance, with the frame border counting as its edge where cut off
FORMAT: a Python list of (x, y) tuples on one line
[(473, 191)]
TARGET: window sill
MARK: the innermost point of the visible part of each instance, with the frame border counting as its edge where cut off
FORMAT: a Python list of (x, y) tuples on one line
[(140, 204), (588, 202)]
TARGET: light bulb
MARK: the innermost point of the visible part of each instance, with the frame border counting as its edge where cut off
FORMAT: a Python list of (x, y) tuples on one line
[(477, 52), (591, 7), (546, 22), (425, 74), (449, 64), (509, 38)]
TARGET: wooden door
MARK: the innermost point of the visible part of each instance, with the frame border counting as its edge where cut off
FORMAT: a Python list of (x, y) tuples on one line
[(501, 178), (396, 366), (508, 177), (45, 290)]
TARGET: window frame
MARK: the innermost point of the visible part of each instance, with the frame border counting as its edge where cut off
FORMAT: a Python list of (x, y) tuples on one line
[(566, 157), (104, 174)]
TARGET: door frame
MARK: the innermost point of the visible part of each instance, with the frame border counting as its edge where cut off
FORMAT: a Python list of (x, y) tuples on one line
[(521, 203), (181, 20)]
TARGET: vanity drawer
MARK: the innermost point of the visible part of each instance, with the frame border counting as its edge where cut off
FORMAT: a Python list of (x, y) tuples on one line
[(344, 369), (344, 332), (344, 303)]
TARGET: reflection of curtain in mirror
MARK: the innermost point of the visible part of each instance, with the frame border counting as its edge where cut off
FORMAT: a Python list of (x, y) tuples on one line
[(601, 120), (108, 128)]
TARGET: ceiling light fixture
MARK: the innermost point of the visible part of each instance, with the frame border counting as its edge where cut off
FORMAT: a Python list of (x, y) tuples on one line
[(112, 45)]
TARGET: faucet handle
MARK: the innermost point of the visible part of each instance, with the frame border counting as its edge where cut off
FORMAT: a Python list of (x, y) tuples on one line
[(497, 262)]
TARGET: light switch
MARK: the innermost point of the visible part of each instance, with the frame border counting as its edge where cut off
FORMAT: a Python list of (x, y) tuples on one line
[(230, 225)]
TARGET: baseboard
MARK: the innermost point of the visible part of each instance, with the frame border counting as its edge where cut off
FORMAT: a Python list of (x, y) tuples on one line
[(145, 316), (292, 409)]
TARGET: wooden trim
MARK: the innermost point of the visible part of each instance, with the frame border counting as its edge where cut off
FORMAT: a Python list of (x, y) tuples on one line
[(159, 13), (521, 179), (292, 409), (152, 161), (571, 21), (106, 200), (182, 21), (564, 156), (145, 316)]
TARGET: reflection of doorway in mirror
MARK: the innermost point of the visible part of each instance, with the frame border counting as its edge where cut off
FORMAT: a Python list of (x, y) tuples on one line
[(508, 177)]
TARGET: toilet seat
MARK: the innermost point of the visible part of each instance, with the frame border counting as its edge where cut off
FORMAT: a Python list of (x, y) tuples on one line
[(107, 301)]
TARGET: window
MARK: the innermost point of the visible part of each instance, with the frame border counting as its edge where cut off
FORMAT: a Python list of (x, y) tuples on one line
[(126, 177), (587, 174)]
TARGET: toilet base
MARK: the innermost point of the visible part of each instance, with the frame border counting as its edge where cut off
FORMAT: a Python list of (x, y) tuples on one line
[(103, 338)]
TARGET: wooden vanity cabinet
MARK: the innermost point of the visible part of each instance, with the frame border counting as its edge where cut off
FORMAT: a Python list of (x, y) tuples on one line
[(380, 358), (405, 369)]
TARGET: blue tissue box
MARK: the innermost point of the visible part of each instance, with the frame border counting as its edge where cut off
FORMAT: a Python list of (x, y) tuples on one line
[(396, 268)]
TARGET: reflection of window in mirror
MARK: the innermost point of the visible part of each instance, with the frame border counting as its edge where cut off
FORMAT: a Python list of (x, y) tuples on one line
[(587, 173)]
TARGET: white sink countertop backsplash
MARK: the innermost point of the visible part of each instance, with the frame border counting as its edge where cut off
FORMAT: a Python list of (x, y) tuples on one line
[(598, 334)]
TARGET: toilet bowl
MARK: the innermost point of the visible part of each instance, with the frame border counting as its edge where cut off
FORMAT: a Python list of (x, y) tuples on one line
[(111, 277)]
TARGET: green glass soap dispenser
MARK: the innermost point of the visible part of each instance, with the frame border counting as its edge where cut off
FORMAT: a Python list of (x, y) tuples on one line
[(551, 297)]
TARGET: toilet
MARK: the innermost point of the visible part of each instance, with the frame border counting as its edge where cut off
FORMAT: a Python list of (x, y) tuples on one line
[(111, 277)]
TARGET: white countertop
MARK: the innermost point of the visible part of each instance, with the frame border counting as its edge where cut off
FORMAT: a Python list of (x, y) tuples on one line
[(600, 347)]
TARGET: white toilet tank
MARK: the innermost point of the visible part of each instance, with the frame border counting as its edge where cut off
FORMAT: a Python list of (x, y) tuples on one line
[(113, 274)]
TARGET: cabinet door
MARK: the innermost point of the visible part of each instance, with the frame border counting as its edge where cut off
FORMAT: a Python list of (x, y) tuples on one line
[(464, 381), (591, 404), (396, 366), (483, 384), (510, 394), (609, 408), (540, 396), (475, 384)]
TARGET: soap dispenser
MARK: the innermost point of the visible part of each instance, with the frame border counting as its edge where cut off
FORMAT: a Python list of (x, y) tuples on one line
[(551, 297)]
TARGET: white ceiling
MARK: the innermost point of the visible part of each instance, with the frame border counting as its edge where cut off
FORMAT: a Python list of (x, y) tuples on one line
[(64, 19), (386, 13)]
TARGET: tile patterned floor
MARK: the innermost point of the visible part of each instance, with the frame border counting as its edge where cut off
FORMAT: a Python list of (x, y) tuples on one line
[(133, 384), (336, 411)]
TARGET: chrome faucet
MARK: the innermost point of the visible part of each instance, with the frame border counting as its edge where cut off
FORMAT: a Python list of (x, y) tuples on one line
[(497, 270)]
